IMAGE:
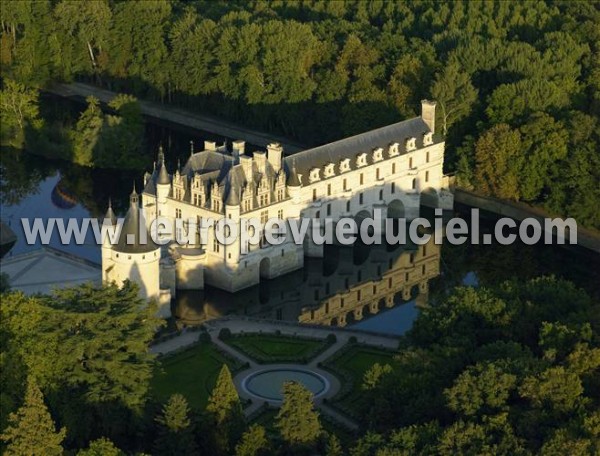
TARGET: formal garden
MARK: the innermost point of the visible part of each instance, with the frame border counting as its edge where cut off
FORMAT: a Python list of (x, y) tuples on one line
[(277, 348), (192, 372)]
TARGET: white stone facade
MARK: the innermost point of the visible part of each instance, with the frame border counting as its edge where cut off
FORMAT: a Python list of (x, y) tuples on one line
[(394, 168)]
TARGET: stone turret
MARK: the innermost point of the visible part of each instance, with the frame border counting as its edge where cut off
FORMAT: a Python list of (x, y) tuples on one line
[(163, 181), (294, 184)]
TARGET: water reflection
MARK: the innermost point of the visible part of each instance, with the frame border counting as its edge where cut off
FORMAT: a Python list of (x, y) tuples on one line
[(348, 285)]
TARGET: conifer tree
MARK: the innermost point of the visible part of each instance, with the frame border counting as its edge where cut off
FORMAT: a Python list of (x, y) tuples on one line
[(225, 411), (253, 443), (101, 447), (297, 421), (334, 447), (31, 430), (175, 434)]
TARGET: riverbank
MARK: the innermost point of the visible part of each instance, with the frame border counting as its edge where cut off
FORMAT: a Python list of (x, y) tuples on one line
[(79, 92), (586, 238)]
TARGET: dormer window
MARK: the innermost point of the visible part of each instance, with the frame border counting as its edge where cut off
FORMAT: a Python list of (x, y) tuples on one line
[(428, 139), (411, 144), (361, 160), (329, 170), (315, 175), (378, 154), (394, 149), (344, 165)]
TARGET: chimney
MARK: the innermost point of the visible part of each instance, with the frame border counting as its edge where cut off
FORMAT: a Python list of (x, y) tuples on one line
[(210, 145), (261, 161), (239, 146), (237, 149), (274, 154), (428, 113), (246, 163)]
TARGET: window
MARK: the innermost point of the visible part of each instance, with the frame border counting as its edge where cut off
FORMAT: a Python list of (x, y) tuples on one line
[(427, 157), (390, 282), (424, 250), (329, 209), (414, 184), (423, 270), (264, 199), (358, 295), (345, 184), (280, 214), (341, 302), (264, 216), (282, 252), (393, 187), (280, 194), (328, 189), (426, 176), (216, 246), (314, 194), (362, 178), (318, 214), (360, 198), (380, 194), (374, 289), (393, 168), (348, 206), (377, 174), (178, 213), (410, 162)]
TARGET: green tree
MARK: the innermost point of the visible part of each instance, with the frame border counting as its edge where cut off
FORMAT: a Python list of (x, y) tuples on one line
[(18, 111), (86, 133), (499, 160), (253, 443), (175, 434), (31, 430), (334, 447), (297, 421), (225, 412), (101, 447), (455, 95)]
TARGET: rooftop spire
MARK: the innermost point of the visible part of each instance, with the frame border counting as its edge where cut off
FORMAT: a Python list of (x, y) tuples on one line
[(110, 215), (293, 179), (163, 174), (191, 147)]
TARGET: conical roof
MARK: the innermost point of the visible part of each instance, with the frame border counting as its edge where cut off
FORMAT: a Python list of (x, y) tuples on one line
[(132, 238), (110, 215), (293, 179), (163, 174)]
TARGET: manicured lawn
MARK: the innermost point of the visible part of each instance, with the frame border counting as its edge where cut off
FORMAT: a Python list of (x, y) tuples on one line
[(266, 348), (192, 373), (353, 363)]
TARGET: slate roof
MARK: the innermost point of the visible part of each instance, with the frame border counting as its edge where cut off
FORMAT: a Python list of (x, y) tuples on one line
[(130, 230), (320, 156)]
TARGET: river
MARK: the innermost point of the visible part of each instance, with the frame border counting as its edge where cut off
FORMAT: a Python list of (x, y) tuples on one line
[(377, 288)]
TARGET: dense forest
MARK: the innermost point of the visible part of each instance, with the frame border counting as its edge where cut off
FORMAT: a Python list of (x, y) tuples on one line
[(510, 369), (517, 83)]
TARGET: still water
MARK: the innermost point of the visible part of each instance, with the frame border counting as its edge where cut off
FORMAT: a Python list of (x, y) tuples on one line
[(376, 288)]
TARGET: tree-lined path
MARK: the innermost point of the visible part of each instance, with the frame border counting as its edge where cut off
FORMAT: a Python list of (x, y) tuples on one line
[(79, 92)]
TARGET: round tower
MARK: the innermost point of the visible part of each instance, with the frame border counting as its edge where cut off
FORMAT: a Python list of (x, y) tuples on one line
[(135, 256), (163, 181), (109, 225), (232, 212)]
